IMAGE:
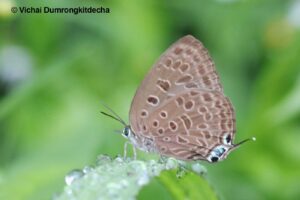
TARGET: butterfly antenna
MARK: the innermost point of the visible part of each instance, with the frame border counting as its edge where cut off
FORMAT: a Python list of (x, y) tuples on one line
[(114, 114), (235, 146)]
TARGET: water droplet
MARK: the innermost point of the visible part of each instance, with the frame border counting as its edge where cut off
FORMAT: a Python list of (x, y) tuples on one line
[(155, 168), (143, 179), (171, 163), (119, 159), (198, 168), (103, 159), (136, 166), (124, 183), (87, 169), (73, 175)]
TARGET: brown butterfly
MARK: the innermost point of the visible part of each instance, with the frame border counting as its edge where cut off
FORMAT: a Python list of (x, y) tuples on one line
[(180, 109)]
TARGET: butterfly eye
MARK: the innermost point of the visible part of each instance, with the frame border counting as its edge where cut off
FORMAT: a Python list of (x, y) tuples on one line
[(126, 132)]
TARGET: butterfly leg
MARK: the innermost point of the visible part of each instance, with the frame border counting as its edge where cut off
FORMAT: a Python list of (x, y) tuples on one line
[(125, 149), (134, 152), (133, 149)]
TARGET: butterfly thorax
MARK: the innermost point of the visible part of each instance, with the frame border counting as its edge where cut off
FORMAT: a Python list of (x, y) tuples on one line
[(142, 143)]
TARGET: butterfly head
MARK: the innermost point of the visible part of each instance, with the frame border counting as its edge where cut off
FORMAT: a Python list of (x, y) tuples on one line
[(132, 137), (221, 152), (129, 134)]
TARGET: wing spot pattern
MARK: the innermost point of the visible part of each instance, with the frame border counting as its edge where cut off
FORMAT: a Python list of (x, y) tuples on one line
[(179, 101), (181, 140), (184, 67), (160, 131), (202, 109), (163, 114), (193, 93), (153, 100), (186, 121), (173, 125), (168, 62), (207, 97), (184, 79), (155, 123), (166, 139), (189, 105), (176, 64), (178, 50), (144, 113), (164, 85)]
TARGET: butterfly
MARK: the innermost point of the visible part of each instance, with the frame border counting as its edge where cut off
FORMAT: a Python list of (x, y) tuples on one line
[(180, 110)]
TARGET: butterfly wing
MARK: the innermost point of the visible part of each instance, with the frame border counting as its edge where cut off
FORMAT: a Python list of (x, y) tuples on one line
[(181, 83), (198, 120)]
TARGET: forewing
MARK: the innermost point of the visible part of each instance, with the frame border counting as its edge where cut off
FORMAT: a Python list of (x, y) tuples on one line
[(184, 65)]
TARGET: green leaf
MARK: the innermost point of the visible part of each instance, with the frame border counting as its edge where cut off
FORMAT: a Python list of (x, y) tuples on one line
[(123, 179), (191, 186)]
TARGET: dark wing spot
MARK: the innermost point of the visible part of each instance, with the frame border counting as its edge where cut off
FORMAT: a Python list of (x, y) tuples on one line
[(223, 115), (207, 80), (163, 114), (201, 69), (193, 93), (178, 50), (160, 131), (163, 149), (179, 101), (144, 113), (176, 64), (145, 128), (166, 139), (181, 140), (184, 79), (173, 125), (163, 85), (189, 105), (155, 123), (207, 97), (153, 100), (168, 62), (187, 122), (202, 109), (184, 67)]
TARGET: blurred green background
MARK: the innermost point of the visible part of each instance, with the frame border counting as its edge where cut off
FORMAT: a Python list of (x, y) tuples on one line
[(55, 69)]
